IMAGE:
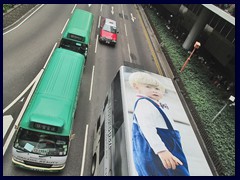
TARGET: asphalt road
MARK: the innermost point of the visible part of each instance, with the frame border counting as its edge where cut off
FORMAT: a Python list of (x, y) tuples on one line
[(27, 48)]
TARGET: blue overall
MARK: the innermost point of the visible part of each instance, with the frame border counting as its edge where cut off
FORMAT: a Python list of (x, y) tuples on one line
[(148, 163)]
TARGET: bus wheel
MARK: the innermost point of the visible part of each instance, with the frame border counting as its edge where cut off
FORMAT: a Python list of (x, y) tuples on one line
[(94, 162)]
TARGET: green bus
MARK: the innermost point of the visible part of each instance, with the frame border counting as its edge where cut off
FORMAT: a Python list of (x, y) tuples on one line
[(44, 133), (77, 34)]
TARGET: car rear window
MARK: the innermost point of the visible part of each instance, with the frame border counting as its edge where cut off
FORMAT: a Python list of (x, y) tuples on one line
[(109, 28)]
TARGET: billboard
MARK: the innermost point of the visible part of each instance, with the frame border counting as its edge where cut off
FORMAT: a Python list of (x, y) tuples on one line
[(162, 141)]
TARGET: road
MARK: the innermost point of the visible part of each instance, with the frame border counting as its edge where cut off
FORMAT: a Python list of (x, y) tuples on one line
[(27, 48)]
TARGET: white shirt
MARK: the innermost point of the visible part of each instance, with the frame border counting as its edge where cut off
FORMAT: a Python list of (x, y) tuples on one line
[(149, 118)]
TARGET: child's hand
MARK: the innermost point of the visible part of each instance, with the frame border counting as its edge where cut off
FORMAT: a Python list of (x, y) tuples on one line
[(169, 160)]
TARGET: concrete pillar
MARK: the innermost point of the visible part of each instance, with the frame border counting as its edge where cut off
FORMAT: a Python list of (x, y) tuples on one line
[(197, 28)]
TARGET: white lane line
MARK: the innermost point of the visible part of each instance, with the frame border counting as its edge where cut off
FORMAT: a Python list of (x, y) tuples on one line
[(84, 150), (99, 21), (50, 55), (68, 18), (123, 13), (129, 53), (96, 44), (23, 20), (90, 94), (73, 8), (101, 8), (27, 88), (15, 100), (125, 29), (5, 146), (64, 26)]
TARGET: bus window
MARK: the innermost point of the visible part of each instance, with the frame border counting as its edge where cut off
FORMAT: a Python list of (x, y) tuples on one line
[(40, 143), (98, 123), (105, 103), (117, 104)]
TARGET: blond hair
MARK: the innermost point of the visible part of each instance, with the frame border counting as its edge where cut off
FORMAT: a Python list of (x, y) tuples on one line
[(144, 78)]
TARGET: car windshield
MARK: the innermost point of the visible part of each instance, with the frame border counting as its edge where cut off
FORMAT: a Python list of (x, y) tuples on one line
[(109, 28), (41, 143)]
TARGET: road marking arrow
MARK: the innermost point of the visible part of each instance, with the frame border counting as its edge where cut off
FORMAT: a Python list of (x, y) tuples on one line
[(133, 18), (112, 10)]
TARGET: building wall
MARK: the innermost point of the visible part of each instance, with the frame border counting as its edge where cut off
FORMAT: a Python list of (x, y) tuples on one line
[(212, 41), (220, 48)]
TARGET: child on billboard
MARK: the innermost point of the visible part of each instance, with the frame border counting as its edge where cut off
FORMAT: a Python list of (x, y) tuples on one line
[(157, 149)]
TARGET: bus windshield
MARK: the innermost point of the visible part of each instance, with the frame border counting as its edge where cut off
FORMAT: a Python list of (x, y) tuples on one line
[(41, 143)]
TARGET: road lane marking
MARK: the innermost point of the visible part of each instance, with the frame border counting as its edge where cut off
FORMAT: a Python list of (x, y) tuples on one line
[(132, 17), (129, 52), (96, 44), (150, 46), (84, 150), (50, 55), (125, 29), (90, 94), (65, 25), (68, 18), (99, 19), (112, 11), (123, 13), (6, 144), (23, 20), (15, 100), (73, 8), (27, 88)]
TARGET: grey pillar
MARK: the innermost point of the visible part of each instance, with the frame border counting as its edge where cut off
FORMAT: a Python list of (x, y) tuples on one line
[(197, 28)]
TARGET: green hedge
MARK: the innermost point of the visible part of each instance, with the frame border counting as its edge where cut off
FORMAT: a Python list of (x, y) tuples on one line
[(205, 97), (6, 7)]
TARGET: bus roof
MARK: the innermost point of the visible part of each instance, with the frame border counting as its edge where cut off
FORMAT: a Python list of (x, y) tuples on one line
[(80, 24), (170, 104), (54, 99)]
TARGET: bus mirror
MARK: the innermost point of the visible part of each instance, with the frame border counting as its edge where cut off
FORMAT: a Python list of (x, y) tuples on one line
[(72, 136)]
